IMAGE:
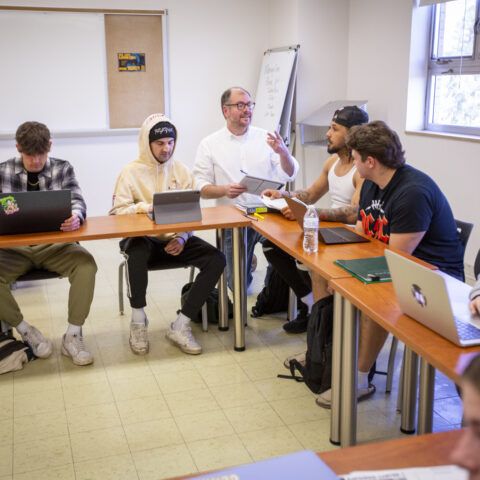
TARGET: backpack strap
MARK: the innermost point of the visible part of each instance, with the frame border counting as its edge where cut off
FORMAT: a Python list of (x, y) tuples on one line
[(10, 347), (294, 363)]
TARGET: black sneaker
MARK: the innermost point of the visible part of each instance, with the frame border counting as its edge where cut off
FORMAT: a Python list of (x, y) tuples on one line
[(299, 325)]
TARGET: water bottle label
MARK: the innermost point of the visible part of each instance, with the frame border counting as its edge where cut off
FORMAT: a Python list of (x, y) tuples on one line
[(310, 223)]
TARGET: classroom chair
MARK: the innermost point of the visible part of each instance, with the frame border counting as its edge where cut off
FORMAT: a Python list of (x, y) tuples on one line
[(154, 267)]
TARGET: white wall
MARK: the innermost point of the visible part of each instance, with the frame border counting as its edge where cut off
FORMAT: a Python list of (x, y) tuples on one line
[(213, 44), (378, 65)]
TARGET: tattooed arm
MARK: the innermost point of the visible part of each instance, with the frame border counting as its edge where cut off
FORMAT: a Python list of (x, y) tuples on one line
[(347, 214)]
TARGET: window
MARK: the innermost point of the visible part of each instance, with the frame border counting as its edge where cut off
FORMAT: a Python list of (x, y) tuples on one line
[(453, 92)]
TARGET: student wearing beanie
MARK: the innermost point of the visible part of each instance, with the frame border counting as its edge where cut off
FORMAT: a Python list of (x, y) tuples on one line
[(155, 170)]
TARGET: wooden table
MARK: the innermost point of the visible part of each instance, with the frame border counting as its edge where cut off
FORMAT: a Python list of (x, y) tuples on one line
[(420, 451), (134, 225), (379, 302)]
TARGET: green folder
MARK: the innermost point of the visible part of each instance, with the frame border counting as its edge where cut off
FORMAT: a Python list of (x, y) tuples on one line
[(367, 270)]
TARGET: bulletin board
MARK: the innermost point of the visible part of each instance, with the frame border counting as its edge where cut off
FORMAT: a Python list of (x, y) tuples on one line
[(61, 67)]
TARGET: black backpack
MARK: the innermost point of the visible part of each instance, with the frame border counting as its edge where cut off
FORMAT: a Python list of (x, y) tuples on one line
[(13, 353), (317, 372), (274, 296), (212, 305)]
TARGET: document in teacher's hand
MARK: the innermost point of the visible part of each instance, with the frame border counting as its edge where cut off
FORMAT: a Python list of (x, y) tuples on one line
[(256, 185)]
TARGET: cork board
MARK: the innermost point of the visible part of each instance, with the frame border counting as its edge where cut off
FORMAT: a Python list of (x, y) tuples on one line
[(133, 94)]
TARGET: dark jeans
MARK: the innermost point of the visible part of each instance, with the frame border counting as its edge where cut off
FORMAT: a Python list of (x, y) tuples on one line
[(286, 266), (142, 252)]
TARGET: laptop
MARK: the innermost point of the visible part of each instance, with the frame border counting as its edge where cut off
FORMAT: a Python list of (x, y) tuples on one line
[(328, 235), (32, 212), (176, 206), (435, 299)]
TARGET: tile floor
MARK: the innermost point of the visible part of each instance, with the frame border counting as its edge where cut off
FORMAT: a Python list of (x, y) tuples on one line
[(167, 413)]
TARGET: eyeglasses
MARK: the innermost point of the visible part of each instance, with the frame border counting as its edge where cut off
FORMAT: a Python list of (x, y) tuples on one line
[(241, 106)]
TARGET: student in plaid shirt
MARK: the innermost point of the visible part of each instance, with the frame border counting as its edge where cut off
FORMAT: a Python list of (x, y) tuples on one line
[(34, 170)]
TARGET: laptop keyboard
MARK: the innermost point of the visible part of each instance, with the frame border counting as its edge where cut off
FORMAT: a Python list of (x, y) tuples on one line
[(466, 331)]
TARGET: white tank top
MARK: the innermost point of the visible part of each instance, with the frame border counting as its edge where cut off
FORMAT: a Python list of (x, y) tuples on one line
[(341, 188)]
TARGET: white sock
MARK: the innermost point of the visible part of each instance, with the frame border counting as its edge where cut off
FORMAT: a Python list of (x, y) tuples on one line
[(180, 321), (362, 380), (138, 315), (308, 301), (74, 330), (22, 327)]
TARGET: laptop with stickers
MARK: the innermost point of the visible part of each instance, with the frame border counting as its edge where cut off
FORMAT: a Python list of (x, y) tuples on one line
[(435, 299), (32, 212)]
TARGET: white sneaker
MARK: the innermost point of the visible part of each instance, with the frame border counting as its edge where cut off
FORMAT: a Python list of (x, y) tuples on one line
[(184, 339), (41, 347), (73, 347), (139, 338), (325, 399)]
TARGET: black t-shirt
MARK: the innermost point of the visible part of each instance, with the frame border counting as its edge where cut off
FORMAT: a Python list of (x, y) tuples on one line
[(412, 202)]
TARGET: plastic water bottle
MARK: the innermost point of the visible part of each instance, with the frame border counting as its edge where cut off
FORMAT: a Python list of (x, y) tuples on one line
[(310, 230)]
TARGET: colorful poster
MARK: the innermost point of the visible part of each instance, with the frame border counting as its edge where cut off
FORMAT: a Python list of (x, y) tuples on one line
[(131, 62)]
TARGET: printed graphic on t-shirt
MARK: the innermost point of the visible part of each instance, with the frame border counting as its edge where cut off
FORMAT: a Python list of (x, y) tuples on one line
[(375, 222)]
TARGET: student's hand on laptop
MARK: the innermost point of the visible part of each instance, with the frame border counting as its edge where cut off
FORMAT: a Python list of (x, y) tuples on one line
[(70, 224), (287, 213), (475, 306), (175, 246), (272, 194), (233, 190)]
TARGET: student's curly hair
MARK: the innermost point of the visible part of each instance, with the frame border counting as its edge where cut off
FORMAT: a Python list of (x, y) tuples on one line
[(33, 138), (377, 140)]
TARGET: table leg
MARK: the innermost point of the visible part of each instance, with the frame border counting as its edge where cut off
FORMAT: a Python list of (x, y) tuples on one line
[(336, 368), (425, 398), (239, 286), (348, 404), (222, 287), (409, 394)]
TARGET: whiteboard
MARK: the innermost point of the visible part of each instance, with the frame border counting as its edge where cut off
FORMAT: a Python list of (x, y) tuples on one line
[(53, 70), (275, 91)]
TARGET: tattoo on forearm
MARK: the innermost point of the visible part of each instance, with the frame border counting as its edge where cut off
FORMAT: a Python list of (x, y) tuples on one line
[(303, 195), (347, 214)]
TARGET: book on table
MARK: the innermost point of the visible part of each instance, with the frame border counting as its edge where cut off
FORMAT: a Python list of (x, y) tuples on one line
[(367, 270)]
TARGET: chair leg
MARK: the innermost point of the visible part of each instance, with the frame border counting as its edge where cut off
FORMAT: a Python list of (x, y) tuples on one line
[(292, 305), (391, 364), (400, 385), (192, 274), (204, 317), (121, 269)]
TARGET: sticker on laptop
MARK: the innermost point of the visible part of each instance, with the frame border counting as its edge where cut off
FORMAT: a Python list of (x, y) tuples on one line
[(9, 205)]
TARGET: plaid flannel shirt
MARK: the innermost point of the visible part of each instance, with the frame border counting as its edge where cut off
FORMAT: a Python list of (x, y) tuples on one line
[(56, 175)]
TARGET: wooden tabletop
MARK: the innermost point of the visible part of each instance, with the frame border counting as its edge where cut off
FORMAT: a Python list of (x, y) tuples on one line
[(289, 237), (134, 225), (379, 302), (417, 451)]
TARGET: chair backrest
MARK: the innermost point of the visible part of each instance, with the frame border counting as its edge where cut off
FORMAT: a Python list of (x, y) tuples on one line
[(476, 265), (464, 230)]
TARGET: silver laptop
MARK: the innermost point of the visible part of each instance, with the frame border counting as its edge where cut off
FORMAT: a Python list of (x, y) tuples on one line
[(176, 206), (435, 299), (32, 212)]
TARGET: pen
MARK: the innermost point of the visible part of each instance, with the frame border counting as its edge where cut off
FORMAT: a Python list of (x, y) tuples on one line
[(244, 172), (258, 216), (251, 218)]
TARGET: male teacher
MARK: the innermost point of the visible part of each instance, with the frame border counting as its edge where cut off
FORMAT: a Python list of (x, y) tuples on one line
[(224, 156)]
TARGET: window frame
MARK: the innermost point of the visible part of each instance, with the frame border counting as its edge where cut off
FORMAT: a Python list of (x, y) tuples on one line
[(457, 65)]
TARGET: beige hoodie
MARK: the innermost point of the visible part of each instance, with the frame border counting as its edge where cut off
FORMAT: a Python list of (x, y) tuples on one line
[(140, 179)]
